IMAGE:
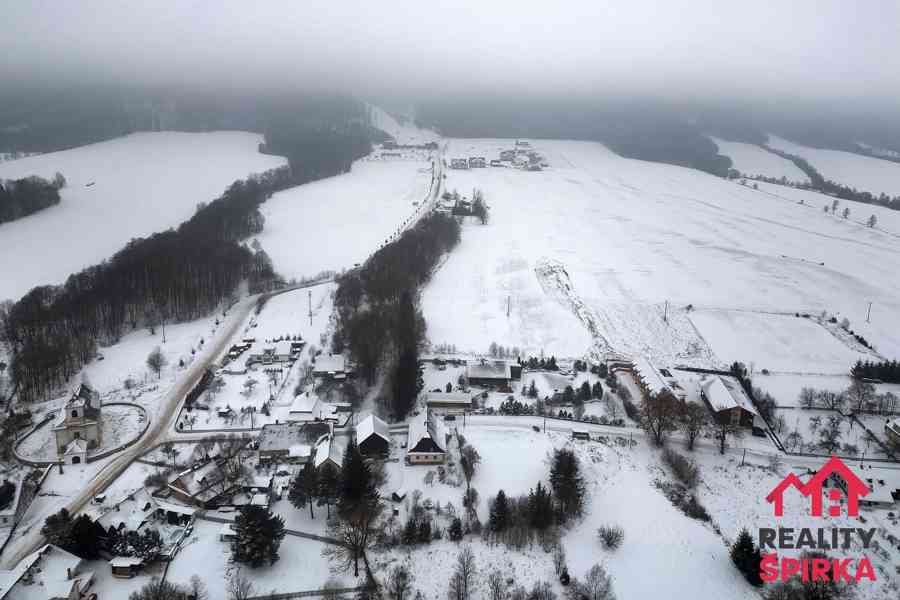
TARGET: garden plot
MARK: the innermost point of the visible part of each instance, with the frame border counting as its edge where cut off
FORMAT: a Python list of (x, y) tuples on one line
[(786, 388), (810, 425), (853, 170), (752, 160), (133, 186), (337, 222), (773, 341)]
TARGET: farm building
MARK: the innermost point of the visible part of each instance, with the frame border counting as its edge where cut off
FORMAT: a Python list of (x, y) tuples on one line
[(448, 403), (80, 420), (330, 366), (427, 440), (459, 163), (489, 373), (727, 401), (308, 407), (654, 381), (203, 486), (373, 436), (125, 567), (289, 442)]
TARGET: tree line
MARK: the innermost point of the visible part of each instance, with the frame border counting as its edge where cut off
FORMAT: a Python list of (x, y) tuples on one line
[(378, 318), (818, 183), (22, 197), (887, 371), (177, 275)]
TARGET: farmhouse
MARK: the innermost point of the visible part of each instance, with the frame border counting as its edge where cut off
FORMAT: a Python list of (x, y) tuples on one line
[(477, 162), (308, 407), (80, 420), (329, 453), (373, 437), (727, 401), (282, 351), (489, 373), (427, 442), (289, 442), (459, 163), (448, 403), (203, 486), (330, 366), (654, 380), (50, 573)]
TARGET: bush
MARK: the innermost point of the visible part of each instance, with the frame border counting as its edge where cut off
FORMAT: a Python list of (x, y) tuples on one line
[(611, 536), (684, 469), (631, 410)]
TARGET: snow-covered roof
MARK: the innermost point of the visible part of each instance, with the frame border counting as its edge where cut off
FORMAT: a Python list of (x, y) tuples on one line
[(488, 369), (283, 436), (422, 427), (76, 446), (372, 425), (50, 579), (460, 398), (300, 451), (304, 403), (650, 376), (725, 393), (125, 561), (330, 363), (328, 448)]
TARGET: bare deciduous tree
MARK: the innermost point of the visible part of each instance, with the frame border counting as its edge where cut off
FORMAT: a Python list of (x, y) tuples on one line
[(239, 586), (463, 579)]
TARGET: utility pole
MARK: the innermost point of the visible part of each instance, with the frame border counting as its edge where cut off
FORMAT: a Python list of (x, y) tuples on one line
[(666, 312), (310, 308), (507, 307), (869, 313)]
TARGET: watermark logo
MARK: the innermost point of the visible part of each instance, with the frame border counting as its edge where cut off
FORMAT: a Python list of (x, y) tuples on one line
[(844, 490)]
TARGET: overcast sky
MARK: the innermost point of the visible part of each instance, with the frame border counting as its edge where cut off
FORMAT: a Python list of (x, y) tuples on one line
[(773, 48)]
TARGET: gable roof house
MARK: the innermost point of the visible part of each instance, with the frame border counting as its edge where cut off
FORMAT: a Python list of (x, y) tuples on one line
[(330, 366), (427, 443), (836, 474), (50, 573), (329, 453), (373, 437), (727, 401), (203, 486), (489, 373), (892, 430), (290, 441)]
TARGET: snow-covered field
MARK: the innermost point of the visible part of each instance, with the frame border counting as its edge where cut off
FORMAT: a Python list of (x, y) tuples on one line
[(624, 236), (142, 183), (855, 170), (401, 129), (750, 159), (337, 222), (775, 342)]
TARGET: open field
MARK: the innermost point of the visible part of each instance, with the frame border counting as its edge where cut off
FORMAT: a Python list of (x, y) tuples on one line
[(141, 184), (621, 237), (774, 342), (337, 222), (750, 159), (854, 170)]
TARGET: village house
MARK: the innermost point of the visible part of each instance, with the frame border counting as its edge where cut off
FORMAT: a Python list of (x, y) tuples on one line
[(459, 163), (727, 401), (448, 403), (329, 453), (426, 443), (290, 442), (490, 373), (330, 366), (204, 486), (50, 573), (80, 421), (308, 407), (477, 162), (373, 437)]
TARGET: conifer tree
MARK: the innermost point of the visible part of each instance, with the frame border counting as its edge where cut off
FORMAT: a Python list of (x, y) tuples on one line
[(747, 557), (499, 517), (258, 534)]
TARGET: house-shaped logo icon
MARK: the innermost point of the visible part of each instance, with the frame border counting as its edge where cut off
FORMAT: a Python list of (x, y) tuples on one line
[(854, 487)]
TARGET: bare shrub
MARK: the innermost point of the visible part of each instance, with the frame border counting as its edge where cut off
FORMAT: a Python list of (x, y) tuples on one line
[(684, 469), (611, 536)]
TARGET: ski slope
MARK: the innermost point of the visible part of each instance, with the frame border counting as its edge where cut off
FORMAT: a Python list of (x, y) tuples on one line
[(752, 160), (631, 235), (403, 131), (142, 183), (855, 170)]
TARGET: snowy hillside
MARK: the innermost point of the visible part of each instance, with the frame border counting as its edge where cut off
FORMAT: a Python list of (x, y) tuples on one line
[(336, 222), (630, 235), (861, 172), (117, 190), (403, 132), (752, 160)]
